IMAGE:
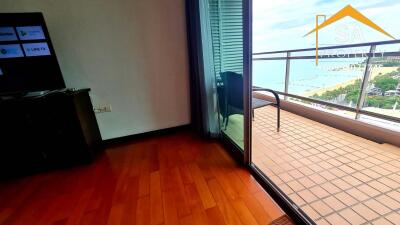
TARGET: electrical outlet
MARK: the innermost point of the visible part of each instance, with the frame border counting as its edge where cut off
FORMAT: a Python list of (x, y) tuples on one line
[(103, 108), (108, 108)]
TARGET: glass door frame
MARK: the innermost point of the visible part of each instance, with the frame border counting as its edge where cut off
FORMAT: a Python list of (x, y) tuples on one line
[(290, 208)]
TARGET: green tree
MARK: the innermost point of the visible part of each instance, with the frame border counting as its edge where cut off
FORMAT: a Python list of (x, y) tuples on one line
[(352, 92), (385, 82), (383, 102), (353, 96)]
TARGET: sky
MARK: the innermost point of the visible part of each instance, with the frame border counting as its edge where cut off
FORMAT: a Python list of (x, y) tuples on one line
[(281, 24)]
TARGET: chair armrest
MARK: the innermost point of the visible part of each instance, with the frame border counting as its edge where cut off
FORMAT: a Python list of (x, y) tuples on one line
[(277, 99)]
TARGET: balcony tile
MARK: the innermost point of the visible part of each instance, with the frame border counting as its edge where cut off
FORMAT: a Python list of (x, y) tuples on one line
[(351, 180), (329, 187), (335, 177), (393, 217), (377, 207), (322, 208), (310, 212), (306, 182), (297, 199), (365, 212), (352, 216), (389, 202), (307, 195), (341, 184), (357, 194), (322, 222), (319, 192), (379, 186), (295, 185), (318, 179), (389, 182), (382, 221), (368, 190), (334, 203), (346, 198), (394, 195), (336, 219)]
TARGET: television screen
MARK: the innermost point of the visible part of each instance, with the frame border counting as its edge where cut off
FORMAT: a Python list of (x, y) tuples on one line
[(27, 58)]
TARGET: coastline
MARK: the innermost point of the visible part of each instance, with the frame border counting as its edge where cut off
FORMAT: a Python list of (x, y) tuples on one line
[(375, 72)]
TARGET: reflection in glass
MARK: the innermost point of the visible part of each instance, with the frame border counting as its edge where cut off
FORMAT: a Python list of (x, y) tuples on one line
[(335, 80), (383, 90), (226, 22), (269, 74)]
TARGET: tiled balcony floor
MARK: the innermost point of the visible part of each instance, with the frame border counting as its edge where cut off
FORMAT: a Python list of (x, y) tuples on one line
[(335, 177)]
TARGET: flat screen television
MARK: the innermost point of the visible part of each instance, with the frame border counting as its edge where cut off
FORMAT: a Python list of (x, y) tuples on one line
[(27, 58)]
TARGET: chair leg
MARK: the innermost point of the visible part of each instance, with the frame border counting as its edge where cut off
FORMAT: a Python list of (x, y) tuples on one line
[(279, 118), (226, 122)]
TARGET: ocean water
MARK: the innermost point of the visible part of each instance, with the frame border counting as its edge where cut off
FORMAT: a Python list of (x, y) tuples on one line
[(304, 75)]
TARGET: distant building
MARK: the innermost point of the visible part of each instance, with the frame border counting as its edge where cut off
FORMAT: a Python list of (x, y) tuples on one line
[(393, 92), (374, 91), (390, 93), (393, 58)]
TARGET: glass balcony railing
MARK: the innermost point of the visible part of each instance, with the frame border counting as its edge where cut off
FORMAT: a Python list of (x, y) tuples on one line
[(358, 80)]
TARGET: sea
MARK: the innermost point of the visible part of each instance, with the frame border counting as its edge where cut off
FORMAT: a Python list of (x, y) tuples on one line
[(304, 75)]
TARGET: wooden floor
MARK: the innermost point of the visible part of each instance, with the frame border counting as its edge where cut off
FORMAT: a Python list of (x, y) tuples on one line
[(176, 179)]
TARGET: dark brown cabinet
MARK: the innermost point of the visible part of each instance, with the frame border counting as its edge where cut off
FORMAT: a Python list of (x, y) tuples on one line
[(53, 130)]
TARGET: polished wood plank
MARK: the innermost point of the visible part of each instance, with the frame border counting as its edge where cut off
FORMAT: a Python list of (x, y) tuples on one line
[(244, 213), (224, 205), (170, 210), (143, 211), (215, 217), (256, 208), (156, 201), (269, 206), (201, 185), (175, 179), (115, 214), (181, 198), (4, 214)]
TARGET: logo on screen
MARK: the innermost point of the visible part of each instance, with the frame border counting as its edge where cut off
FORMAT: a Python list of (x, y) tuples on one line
[(11, 51), (30, 33), (23, 33), (7, 34), (36, 49)]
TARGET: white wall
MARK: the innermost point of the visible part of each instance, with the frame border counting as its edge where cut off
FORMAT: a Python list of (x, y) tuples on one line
[(131, 53)]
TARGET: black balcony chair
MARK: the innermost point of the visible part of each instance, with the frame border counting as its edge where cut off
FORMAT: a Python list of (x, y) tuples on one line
[(230, 96)]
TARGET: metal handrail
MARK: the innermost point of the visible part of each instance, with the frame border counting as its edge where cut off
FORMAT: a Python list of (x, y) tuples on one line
[(358, 110), (347, 108), (346, 56), (331, 47)]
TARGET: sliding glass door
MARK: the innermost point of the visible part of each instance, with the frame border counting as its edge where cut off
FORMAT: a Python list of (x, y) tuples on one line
[(335, 66), (224, 20)]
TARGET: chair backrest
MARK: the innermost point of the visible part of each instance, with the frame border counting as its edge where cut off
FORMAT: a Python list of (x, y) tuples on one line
[(233, 88)]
